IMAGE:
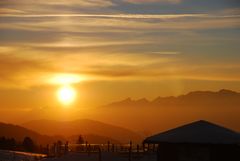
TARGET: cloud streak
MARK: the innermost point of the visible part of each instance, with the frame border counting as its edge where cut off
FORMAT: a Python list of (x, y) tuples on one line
[(29, 67), (82, 3), (125, 16), (106, 40), (152, 1), (94, 25)]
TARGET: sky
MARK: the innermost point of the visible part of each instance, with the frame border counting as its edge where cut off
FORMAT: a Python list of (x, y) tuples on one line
[(109, 50)]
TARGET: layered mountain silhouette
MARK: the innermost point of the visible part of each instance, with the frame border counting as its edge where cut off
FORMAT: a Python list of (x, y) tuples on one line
[(19, 133), (142, 115), (197, 98), (154, 116), (88, 128), (45, 132)]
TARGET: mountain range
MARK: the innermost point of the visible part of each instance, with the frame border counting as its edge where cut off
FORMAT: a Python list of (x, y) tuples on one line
[(197, 98), (146, 117), (153, 116)]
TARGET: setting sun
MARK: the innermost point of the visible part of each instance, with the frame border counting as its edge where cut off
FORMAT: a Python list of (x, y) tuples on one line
[(66, 95), (120, 80)]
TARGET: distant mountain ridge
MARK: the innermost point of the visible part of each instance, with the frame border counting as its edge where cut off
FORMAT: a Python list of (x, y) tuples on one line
[(19, 133), (222, 97), (83, 127)]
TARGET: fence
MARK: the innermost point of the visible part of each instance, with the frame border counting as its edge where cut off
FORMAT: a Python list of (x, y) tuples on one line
[(129, 150)]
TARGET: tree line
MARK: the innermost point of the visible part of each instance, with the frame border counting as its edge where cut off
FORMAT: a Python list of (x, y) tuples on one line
[(11, 144)]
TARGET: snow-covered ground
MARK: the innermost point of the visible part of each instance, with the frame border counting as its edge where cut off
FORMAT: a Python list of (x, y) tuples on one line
[(6, 155), (105, 156), (74, 156)]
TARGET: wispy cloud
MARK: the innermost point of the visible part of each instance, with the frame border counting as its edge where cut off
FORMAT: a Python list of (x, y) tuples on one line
[(100, 40), (125, 16), (152, 1), (82, 3), (165, 52), (118, 22), (31, 67), (10, 11)]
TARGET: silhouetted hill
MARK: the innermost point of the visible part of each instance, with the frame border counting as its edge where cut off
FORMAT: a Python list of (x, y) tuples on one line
[(19, 133), (82, 127), (198, 98)]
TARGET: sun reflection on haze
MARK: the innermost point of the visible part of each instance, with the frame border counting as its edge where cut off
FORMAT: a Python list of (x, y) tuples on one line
[(66, 79)]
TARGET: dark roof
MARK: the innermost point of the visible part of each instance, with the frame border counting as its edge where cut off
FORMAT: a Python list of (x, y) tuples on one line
[(200, 132)]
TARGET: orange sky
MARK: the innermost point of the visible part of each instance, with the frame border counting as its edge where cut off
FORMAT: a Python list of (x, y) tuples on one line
[(109, 50)]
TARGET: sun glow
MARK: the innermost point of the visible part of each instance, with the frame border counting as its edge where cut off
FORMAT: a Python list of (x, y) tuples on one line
[(64, 79), (66, 95)]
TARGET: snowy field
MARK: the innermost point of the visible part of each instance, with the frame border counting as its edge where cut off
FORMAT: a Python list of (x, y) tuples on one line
[(73, 156), (105, 156), (19, 156)]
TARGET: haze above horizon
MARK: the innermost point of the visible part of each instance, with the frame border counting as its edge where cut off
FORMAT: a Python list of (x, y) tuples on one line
[(84, 54)]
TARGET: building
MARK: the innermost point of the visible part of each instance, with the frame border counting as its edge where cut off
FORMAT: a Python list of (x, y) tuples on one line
[(197, 141)]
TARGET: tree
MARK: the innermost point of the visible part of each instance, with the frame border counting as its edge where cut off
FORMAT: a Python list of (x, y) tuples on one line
[(12, 143), (80, 140), (28, 144), (2, 143), (7, 143)]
